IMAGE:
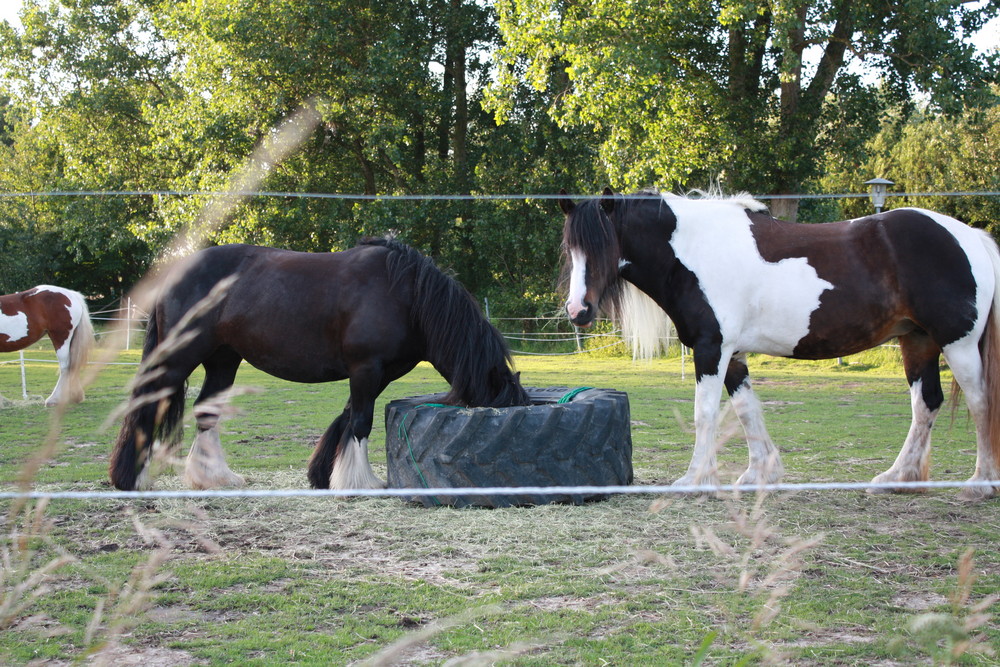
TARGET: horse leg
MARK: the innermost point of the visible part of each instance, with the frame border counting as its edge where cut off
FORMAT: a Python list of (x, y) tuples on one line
[(703, 469), (966, 365), (920, 363), (351, 468), (63, 390), (154, 414), (206, 466), (765, 460)]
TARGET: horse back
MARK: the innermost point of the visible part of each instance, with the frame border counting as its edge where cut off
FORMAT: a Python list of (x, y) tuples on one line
[(296, 315), (884, 275), (27, 316)]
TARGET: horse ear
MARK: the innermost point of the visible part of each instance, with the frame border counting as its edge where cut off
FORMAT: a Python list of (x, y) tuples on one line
[(608, 200), (565, 203)]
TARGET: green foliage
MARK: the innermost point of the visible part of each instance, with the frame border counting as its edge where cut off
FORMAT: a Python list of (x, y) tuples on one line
[(461, 97), (924, 152), (684, 92)]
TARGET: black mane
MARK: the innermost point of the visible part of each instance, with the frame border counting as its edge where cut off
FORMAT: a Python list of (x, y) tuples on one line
[(468, 351), (595, 228), (591, 230)]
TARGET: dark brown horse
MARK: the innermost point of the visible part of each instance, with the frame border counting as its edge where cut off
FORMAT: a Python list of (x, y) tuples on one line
[(368, 314), (62, 314), (735, 280)]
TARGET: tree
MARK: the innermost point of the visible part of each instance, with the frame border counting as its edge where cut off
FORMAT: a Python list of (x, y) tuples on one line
[(733, 89), (938, 153), (81, 78), (147, 94)]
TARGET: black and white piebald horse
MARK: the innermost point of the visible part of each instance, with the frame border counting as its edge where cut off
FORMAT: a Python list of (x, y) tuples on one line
[(368, 314), (735, 280)]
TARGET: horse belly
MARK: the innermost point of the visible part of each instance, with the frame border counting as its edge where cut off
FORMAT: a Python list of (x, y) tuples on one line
[(307, 364), (776, 310)]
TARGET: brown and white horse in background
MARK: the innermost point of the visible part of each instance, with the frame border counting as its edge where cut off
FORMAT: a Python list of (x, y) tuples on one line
[(62, 314)]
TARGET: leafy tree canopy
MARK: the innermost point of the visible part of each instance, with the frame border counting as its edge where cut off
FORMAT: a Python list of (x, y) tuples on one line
[(735, 89)]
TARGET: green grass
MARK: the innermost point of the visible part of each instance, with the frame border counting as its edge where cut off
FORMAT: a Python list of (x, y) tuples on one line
[(808, 578)]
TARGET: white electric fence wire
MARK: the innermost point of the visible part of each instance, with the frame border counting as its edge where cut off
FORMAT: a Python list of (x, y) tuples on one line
[(440, 197), (497, 490)]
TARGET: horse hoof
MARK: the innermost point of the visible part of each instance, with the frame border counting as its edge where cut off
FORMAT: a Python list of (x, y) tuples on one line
[(231, 480), (691, 480), (885, 479), (753, 477), (977, 494)]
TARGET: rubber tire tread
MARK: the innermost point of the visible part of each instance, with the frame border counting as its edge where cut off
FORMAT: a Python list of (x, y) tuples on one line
[(584, 442)]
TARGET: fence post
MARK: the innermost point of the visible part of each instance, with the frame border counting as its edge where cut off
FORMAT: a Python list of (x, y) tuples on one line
[(24, 379), (128, 323)]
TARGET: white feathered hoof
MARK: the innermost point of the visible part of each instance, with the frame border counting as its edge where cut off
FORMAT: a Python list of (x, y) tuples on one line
[(692, 479), (351, 469), (770, 474), (977, 494), (206, 467), (890, 476)]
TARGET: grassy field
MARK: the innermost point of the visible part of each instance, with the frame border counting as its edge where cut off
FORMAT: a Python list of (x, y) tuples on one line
[(815, 578)]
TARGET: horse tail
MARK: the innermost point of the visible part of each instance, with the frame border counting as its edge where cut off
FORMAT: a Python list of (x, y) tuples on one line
[(644, 324), (152, 412), (82, 341), (323, 457), (989, 346)]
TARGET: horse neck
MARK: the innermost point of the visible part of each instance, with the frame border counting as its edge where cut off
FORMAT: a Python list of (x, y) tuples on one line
[(460, 343), (476, 367), (646, 254)]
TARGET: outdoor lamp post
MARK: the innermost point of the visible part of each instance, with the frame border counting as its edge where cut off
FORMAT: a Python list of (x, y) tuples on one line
[(876, 190)]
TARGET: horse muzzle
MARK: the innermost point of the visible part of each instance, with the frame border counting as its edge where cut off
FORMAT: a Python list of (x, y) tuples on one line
[(581, 317)]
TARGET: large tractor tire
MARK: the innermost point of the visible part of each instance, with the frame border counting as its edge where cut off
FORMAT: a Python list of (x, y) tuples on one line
[(566, 437)]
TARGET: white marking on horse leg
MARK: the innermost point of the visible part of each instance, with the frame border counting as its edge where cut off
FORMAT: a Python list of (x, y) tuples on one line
[(577, 285), (352, 470), (765, 461), (62, 390), (703, 468), (144, 481), (966, 365), (913, 462), (206, 466)]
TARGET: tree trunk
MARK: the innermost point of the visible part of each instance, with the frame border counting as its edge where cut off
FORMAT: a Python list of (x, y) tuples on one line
[(460, 128), (784, 209)]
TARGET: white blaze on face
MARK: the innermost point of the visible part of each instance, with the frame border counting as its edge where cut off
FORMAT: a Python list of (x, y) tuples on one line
[(14, 327), (577, 284)]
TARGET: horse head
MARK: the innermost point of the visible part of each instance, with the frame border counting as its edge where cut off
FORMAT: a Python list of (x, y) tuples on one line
[(591, 256)]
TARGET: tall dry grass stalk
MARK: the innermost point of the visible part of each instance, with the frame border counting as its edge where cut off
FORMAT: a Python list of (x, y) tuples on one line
[(948, 636), (28, 554)]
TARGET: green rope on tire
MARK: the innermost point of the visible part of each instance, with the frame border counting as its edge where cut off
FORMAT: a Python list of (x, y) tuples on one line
[(570, 395), (401, 431)]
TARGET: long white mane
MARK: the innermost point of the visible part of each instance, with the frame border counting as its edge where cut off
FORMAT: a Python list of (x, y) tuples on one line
[(741, 199), (645, 326)]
